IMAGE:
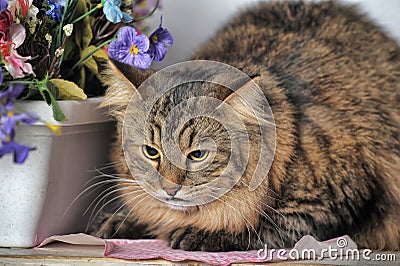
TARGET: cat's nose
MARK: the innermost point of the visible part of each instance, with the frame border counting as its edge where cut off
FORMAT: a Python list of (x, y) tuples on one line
[(171, 190)]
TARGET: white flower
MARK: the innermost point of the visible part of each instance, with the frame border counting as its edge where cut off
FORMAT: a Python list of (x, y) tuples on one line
[(48, 38), (59, 51), (68, 29)]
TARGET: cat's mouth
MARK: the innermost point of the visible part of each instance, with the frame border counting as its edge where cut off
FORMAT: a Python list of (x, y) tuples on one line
[(178, 203)]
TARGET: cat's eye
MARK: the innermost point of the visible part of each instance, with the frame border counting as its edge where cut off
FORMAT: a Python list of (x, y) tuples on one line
[(150, 152), (198, 155)]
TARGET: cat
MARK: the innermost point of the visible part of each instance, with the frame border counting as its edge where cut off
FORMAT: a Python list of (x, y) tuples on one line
[(332, 80)]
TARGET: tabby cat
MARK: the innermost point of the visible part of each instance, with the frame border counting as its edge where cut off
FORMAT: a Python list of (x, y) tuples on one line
[(332, 80)]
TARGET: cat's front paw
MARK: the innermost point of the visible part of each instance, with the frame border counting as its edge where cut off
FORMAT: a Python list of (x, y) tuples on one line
[(193, 239), (117, 225)]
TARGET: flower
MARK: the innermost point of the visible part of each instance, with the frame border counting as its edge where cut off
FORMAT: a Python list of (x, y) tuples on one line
[(33, 37), (8, 97), (68, 29), (112, 10), (20, 151), (3, 5), (9, 120), (56, 10), (131, 48), (159, 40), (15, 63)]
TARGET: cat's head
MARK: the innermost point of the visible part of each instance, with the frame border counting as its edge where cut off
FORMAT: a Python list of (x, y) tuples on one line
[(194, 143)]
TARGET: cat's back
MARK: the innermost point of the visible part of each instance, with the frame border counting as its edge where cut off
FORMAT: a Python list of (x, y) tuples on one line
[(323, 55), (332, 79)]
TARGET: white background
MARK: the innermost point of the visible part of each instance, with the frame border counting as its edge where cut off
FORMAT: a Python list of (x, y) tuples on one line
[(192, 22)]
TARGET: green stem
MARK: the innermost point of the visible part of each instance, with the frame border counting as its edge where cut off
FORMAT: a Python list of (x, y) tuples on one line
[(87, 13), (18, 82), (62, 21), (148, 15), (90, 54)]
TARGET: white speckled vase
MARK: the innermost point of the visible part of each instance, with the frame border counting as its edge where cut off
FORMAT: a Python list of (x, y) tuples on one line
[(37, 198)]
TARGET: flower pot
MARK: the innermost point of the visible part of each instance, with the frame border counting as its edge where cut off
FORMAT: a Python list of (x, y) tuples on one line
[(39, 198)]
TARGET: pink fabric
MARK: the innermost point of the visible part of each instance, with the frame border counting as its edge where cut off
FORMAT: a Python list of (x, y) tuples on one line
[(157, 249), (152, 249)]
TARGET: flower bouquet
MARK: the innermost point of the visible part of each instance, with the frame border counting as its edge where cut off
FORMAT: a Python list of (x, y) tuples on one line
[(52, 50)]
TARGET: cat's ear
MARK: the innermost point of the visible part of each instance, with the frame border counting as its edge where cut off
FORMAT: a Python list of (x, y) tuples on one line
[(122, 81), (246, 99), (130, 74)]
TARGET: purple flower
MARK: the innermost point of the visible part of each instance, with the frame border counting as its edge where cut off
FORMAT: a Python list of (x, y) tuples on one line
[(3, 5), (10, 120), (20, 151), (159, 40), (8, 97), (131, 48)]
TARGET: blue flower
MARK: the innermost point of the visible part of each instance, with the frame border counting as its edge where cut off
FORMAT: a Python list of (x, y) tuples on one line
[(131, 48), (56, 10), (3, 5), (8, 97), (9, 120), (20, 151), (112, 10), (159, 40)]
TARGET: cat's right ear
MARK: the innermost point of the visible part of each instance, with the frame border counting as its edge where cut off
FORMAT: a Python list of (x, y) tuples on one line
[(122, 81), (130, 74)]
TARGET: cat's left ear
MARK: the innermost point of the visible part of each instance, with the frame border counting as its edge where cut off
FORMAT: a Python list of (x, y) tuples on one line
[(247, 100)]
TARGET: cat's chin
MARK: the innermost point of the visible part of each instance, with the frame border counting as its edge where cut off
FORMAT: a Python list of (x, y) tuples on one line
[(178, 207)]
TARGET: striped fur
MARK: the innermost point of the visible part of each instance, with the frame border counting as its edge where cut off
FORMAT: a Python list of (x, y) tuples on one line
[(332, 79)]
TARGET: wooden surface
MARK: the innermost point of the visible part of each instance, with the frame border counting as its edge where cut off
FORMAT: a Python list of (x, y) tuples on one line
[(64, 254)]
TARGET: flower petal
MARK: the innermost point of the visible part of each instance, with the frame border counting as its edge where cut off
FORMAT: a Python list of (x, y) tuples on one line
[(18, 34), (126, 18), (113, 13), (165, 37), (142, 43), (6, 148), (21, 153), (142, 61), (127, 34), (158, 51)]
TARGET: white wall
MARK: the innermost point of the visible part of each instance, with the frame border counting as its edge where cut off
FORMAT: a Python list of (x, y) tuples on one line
[(192, 22)]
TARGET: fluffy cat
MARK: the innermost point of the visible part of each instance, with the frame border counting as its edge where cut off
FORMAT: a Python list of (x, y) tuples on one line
[(332, 79)]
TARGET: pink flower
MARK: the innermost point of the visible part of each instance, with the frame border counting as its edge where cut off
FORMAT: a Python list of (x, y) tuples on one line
[(15, 63)]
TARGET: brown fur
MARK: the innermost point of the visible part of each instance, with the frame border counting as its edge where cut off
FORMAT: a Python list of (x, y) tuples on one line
[(332, 79)]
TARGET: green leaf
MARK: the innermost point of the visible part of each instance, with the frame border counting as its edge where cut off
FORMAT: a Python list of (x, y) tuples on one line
[(68, 90), (49, 98)]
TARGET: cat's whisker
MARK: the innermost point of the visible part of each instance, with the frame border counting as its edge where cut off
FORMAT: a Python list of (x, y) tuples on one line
[(130, 211), (120, 196), (105, 193), (119, 208)]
